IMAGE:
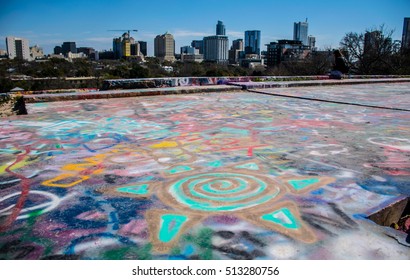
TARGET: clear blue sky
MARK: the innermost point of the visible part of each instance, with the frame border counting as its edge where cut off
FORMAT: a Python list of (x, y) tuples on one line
[(51, 22)]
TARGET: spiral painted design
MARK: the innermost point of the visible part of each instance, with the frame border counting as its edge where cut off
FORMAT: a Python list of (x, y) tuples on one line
[(222, 191)]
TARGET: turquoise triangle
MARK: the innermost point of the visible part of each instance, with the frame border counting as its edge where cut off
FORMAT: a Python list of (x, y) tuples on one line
[(250, 166), (170, 226), (138, 189), (282, 217), (303, 183)]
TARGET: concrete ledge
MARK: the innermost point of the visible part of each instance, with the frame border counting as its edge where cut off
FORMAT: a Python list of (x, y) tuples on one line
[(127, 93), (232, 86), (255, 85)]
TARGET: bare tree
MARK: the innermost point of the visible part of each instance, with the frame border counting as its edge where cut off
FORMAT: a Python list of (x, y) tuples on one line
[(371, 52)]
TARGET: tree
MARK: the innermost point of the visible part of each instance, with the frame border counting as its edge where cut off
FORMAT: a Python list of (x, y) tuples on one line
[(371, 52), (137, 71)]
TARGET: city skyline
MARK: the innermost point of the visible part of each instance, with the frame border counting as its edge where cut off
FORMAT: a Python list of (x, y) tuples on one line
[(50, 23)]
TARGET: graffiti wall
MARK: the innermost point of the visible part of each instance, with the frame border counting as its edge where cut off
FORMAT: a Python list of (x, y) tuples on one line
[(206, 176), (170, 82)]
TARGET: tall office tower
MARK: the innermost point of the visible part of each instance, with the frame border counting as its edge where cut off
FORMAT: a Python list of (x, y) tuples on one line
[(235, 51), (18, 48), (300, 32), (68, 47), (405, 41), (198, 44), (372, 40), (58, 50), (117, 47), (164, 47), (220, 28), (253, 42), (135, 49), (216, 49), (312, 42), (143, 47)]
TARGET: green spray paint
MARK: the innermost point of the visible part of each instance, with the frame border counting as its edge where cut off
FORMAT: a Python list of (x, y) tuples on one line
[(129, 253), (203, 242)]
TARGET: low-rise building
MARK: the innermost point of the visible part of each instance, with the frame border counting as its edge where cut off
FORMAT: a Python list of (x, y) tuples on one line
[(285, 50)]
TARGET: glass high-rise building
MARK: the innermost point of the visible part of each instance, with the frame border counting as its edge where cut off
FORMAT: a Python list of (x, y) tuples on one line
[(220, 28), (253, 42), (405, 42), (143, 47), (300, 32), (69, 47), (198, 44)]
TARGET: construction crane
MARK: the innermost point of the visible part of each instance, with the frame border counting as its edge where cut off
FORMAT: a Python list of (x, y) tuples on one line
[(125, 30)]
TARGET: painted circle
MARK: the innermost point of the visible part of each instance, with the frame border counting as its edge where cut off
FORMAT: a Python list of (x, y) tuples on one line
[(219, 192), (44, 207)]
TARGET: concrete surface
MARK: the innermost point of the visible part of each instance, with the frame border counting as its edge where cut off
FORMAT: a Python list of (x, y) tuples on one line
[(236, 175), (385, 97), (318, 82)]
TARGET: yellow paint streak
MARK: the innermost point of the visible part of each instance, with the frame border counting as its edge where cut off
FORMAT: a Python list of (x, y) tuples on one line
[(90, 162), (54, 182), (75, 170), (16, 166), (165, 144)]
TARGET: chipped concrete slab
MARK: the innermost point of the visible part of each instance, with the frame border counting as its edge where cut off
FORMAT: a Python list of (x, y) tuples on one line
[(236, 175)]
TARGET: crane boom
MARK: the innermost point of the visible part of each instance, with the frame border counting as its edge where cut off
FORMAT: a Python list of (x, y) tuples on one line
[(128, 31)]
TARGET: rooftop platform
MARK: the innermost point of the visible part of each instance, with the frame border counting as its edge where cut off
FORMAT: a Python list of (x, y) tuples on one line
[(268, 174), (187, 85)]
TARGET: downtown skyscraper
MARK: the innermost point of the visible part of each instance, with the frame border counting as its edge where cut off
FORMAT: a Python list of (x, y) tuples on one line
[(216, 47), (164, 47), (253, 42), (405, 42), (220, 28), (300, 32)]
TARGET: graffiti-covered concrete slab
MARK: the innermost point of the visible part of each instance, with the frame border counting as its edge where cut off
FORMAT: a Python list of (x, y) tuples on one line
[(386, 96), (69, 96), (203, 176)]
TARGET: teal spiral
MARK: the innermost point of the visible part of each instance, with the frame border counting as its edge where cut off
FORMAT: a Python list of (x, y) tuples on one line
[(222, 191)]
